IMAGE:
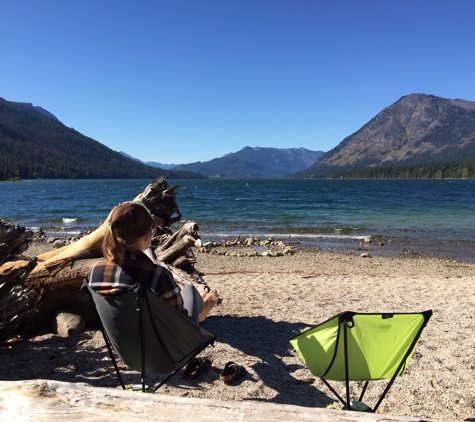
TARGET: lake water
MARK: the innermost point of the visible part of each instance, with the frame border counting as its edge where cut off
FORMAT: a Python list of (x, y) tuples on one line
[(410, 217)]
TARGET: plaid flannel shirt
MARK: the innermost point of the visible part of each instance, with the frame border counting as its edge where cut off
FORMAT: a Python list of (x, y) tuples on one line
[(108, 278)]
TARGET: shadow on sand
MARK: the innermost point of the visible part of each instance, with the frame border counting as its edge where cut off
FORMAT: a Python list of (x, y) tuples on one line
[(268, 341), (74, 359)]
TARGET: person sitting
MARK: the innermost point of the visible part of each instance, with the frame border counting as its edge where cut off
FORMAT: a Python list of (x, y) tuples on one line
[(125, 263)]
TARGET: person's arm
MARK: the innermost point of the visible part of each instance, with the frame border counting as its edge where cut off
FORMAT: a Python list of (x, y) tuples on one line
[(168, 290)]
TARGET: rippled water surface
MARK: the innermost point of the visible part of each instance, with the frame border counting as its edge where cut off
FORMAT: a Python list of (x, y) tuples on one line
[(429, 214)]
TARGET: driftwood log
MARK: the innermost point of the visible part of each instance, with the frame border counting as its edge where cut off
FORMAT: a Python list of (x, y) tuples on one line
[(32, 291), (13, 241), (48, 401), (16, 302)]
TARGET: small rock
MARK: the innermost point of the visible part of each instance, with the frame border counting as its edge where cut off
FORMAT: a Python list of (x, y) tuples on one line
[(365, 255), (59, 243), (69, 323), (367, 240), (249, 241)]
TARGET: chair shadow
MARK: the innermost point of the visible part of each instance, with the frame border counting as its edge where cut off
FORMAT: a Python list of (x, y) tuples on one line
[(268, 341)]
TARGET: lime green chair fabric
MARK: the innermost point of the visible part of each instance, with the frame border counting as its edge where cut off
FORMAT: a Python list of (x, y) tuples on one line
[(361, 347)]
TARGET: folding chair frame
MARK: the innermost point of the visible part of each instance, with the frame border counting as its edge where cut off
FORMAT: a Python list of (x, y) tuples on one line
[(346, 319), (140, 295), (337, 331)]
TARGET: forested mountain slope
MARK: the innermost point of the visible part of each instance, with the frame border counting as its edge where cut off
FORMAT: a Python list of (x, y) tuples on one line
[(35, 145)]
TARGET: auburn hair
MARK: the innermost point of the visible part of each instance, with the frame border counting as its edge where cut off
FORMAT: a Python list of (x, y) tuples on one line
[(114, 245)]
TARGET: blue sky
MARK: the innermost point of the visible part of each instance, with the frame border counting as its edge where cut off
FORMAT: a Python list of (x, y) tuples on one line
[(184, 81)]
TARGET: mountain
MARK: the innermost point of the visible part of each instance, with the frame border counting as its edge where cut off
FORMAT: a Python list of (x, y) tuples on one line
[(151, 163), (256, 163), (416, 129), (161, 165), (34, 144), (36, 109)]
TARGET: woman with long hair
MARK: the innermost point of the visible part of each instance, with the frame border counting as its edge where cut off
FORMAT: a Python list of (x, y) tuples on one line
[(125, 263)]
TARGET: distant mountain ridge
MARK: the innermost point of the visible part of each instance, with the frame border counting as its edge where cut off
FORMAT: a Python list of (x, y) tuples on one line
[(151, 163), (36, 109), (256, 163), (416, 134), (418, 128), (34, 144)]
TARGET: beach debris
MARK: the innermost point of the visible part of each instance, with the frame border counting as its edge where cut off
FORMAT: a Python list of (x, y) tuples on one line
[(300, 381), (267, 247), (38, 235)]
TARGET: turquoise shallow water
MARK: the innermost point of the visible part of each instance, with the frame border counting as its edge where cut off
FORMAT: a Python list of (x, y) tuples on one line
[(417, 216)]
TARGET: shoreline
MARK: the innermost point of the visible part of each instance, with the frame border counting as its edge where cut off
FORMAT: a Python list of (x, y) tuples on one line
[(268, 300), (378, 245)]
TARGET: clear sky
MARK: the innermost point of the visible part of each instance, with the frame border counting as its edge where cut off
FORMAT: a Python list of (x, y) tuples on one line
[(182, 81)]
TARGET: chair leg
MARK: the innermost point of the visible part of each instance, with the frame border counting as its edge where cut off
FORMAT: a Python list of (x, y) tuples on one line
[(333, 391), (111, 354), (106, 338), (166, 379), (363, 391)]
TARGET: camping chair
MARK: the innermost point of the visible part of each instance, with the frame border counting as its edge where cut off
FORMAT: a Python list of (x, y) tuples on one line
[(355, 346), (148, 334)]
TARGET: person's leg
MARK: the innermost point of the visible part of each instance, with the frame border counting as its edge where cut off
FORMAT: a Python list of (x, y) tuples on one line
[(192, 302)]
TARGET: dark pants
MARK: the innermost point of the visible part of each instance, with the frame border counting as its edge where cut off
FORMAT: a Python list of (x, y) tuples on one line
[(192, 302)]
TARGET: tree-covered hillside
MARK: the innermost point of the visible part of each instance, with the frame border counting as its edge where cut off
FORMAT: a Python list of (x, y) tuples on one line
[(33, 145), (453, 170)]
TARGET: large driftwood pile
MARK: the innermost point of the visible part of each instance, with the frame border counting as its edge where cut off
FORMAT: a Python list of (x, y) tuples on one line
[(32, 291)]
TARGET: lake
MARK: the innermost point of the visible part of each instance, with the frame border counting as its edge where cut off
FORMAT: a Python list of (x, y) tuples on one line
[(407, 217)]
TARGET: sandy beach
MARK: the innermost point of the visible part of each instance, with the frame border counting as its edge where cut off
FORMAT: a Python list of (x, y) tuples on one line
[(268, 300)]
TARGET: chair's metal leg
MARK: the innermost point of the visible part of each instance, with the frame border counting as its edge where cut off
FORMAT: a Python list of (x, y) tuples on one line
[(401, 364), (106, 340), (347, 372), (166, 379), (365, 386), (142, 345), (333, 391), (111, 354)]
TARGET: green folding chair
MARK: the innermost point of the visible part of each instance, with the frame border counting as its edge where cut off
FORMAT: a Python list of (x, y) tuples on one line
[(355, 346)]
